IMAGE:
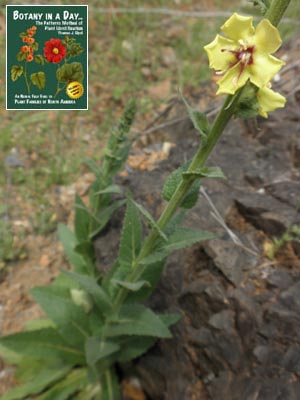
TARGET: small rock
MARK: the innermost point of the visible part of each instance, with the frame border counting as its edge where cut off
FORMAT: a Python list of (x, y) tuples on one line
[(291, 298), (223, 321), (45, 261), (291, 360), (13, 160), (168, 56), (280, 279)]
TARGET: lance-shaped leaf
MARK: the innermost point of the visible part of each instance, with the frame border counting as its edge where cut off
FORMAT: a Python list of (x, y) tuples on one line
[(15, 72), (199, 120), (110, 387), (71, 320), (69, 243), (136, 319), (132, 286), (44, 378), (206, 172), (90, 285), (180, 239), (104, 216), (38, 79), (131, 237), (133, 347), (82, 219), (74, 382), (44, 343), (149, 219), (96, 349)]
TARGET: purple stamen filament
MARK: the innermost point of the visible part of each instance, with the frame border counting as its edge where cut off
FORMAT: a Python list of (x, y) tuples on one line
[(244, 57)]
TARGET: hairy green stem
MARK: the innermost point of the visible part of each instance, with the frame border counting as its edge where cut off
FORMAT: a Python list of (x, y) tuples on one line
[(276, 11)]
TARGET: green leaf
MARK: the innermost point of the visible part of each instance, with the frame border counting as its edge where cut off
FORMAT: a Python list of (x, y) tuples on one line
[(71, 320), (248, 105), (15, 72), (35, 46), (43, 379), (180, 239), (199, 120), (44, 343), (184, 237), (110, 385), (90, 285), (93, 166), (69, 243), (110, 189), (39, 59), (174, 180), (131, 236), (133, 347), (82, 219), (75, 381), (132, 286), (86, 249), (151, 274), (149, 219), (170, 319), (104, 216), (96, 349), (21, 56), (38, 79), (74, 49), (206, 172), (136, 319), (70, 72)]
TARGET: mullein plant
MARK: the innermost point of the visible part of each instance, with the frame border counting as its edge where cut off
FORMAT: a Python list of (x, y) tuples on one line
[(95, 321)]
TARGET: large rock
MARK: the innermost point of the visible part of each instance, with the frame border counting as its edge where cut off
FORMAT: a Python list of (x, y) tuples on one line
[(239, 335)]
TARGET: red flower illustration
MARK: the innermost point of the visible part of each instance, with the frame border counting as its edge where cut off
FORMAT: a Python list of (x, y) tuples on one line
[(54, 51)]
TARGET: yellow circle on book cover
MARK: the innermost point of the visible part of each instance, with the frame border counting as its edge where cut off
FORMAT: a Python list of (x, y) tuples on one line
[(75, 90)]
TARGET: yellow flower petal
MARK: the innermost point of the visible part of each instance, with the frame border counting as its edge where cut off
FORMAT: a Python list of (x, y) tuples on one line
[(267, 38), (269, 100), (218, 58), (264, 68), (232, 80), (238, 27)]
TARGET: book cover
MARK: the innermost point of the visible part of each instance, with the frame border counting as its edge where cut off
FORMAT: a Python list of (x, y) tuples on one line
[(46, 57)]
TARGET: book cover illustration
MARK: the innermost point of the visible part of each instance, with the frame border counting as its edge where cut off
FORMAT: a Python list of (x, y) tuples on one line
[(46, 57)]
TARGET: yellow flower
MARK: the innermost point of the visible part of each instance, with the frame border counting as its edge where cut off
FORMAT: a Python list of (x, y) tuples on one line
[(244, 53), (268, 100)]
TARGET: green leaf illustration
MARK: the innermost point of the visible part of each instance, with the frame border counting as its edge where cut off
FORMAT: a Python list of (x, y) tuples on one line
[(70, 72), (15, 72), (21, 56), (38, 79), (39, 59)]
